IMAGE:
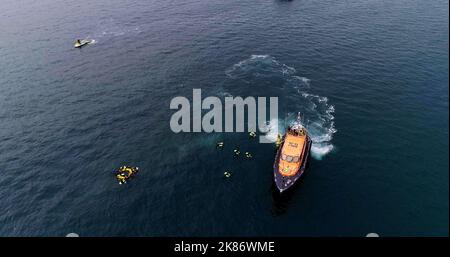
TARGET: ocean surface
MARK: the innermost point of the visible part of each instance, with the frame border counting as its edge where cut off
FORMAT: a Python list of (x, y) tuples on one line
[(370, 78)]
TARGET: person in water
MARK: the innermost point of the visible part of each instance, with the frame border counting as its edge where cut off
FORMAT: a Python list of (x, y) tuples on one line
[(227, 174), (236, 152), (248, 155), (279, 140), (219, 145), (252, 134), (121, 178)]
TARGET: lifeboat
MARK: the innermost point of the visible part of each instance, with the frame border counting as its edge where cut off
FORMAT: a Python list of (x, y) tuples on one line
[(292, 156)]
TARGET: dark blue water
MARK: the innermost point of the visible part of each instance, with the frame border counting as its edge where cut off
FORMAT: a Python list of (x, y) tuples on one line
[(370, 76)]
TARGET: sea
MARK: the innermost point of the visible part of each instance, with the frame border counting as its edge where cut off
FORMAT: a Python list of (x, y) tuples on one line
[(369, 78)]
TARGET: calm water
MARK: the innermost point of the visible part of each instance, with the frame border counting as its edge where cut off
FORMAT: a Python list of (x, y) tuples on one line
[(371, 78)]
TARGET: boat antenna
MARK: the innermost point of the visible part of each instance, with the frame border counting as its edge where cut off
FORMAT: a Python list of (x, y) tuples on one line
[(299, 117), (285, 119)]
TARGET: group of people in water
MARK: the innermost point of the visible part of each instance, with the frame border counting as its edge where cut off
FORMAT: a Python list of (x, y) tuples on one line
[(125, 172), (227, 174), (236, 152)]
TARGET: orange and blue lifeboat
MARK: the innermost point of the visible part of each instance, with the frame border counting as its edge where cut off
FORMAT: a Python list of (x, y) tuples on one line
[(292, 157)]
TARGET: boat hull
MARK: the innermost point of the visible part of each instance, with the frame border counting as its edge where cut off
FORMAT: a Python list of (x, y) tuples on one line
[(283, 183)]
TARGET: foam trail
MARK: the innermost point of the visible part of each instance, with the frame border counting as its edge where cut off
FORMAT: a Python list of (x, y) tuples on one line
[(113, 28), (295, 90), (273, 128), (318, 151), (320, 124), (265, 64)]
